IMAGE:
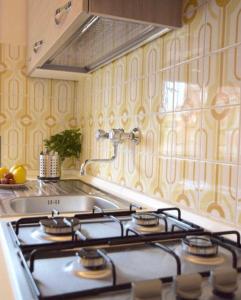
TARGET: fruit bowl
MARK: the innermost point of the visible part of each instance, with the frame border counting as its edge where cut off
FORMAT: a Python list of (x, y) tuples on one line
[(13, 185), (13, 178)]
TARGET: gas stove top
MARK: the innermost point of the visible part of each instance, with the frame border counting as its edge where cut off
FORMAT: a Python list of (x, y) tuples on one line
[(132, 254)]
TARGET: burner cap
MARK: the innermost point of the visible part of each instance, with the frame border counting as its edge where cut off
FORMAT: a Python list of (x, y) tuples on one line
[(59, 225), (145, 219), (200, 246), (91, 259)]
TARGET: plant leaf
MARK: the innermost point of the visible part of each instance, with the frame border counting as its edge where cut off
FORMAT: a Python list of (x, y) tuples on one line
[(67, 143)]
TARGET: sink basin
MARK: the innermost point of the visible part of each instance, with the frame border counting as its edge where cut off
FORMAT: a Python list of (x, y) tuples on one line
[(75, 203)]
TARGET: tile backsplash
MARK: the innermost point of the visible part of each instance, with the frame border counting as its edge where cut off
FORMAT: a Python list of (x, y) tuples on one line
[(31, 109), (183, 91)]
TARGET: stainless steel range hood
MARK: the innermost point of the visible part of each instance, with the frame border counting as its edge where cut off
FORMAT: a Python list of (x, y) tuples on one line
[(110, 32)]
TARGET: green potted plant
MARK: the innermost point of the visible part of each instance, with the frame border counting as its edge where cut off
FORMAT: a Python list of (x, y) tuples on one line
[(67, 143)]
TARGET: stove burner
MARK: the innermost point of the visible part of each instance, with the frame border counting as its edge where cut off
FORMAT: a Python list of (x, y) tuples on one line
[(145, 223), (89, 264), (145, 219), (91, 259), (208, 261), (39, 235), (59, 225), (201, 246)]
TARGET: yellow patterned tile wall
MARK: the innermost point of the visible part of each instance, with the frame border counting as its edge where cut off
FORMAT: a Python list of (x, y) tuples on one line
[(31, 110), (183, 91)]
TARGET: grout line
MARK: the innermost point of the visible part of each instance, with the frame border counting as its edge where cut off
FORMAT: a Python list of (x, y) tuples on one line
[(202, 116), (187, 61), (187, 159), (163, 114), (238, 163)]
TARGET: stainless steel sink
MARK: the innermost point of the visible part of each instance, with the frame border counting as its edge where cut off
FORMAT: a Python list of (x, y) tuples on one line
[(69, 203)]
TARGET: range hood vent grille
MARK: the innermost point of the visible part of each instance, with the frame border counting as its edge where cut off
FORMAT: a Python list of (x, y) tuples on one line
[(100, 40)]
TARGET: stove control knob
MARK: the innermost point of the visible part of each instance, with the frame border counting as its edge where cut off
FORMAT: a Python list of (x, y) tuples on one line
[(147, 289), (224, 280), (188, 286)]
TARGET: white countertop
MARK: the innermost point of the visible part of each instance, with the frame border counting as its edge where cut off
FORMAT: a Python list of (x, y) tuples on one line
[(5, 278)]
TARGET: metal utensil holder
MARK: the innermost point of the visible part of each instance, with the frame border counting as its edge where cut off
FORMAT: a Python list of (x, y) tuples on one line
[(49, 166)]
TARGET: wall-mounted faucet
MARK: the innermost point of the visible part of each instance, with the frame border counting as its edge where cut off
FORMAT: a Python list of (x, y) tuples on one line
[(116, 136)]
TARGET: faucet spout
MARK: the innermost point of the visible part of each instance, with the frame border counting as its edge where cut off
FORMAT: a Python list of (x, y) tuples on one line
[(94, 160), (83, 166)]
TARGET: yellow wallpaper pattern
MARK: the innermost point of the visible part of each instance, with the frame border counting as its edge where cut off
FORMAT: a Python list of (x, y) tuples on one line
[(31, 110), (183, 92)]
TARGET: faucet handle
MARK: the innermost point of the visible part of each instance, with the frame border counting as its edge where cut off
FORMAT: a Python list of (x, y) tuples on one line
[(101, 134), (117, 135)]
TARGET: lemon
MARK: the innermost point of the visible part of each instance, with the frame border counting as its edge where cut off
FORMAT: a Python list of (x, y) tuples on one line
[(3, 170), (19, 174), (14, 167)]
